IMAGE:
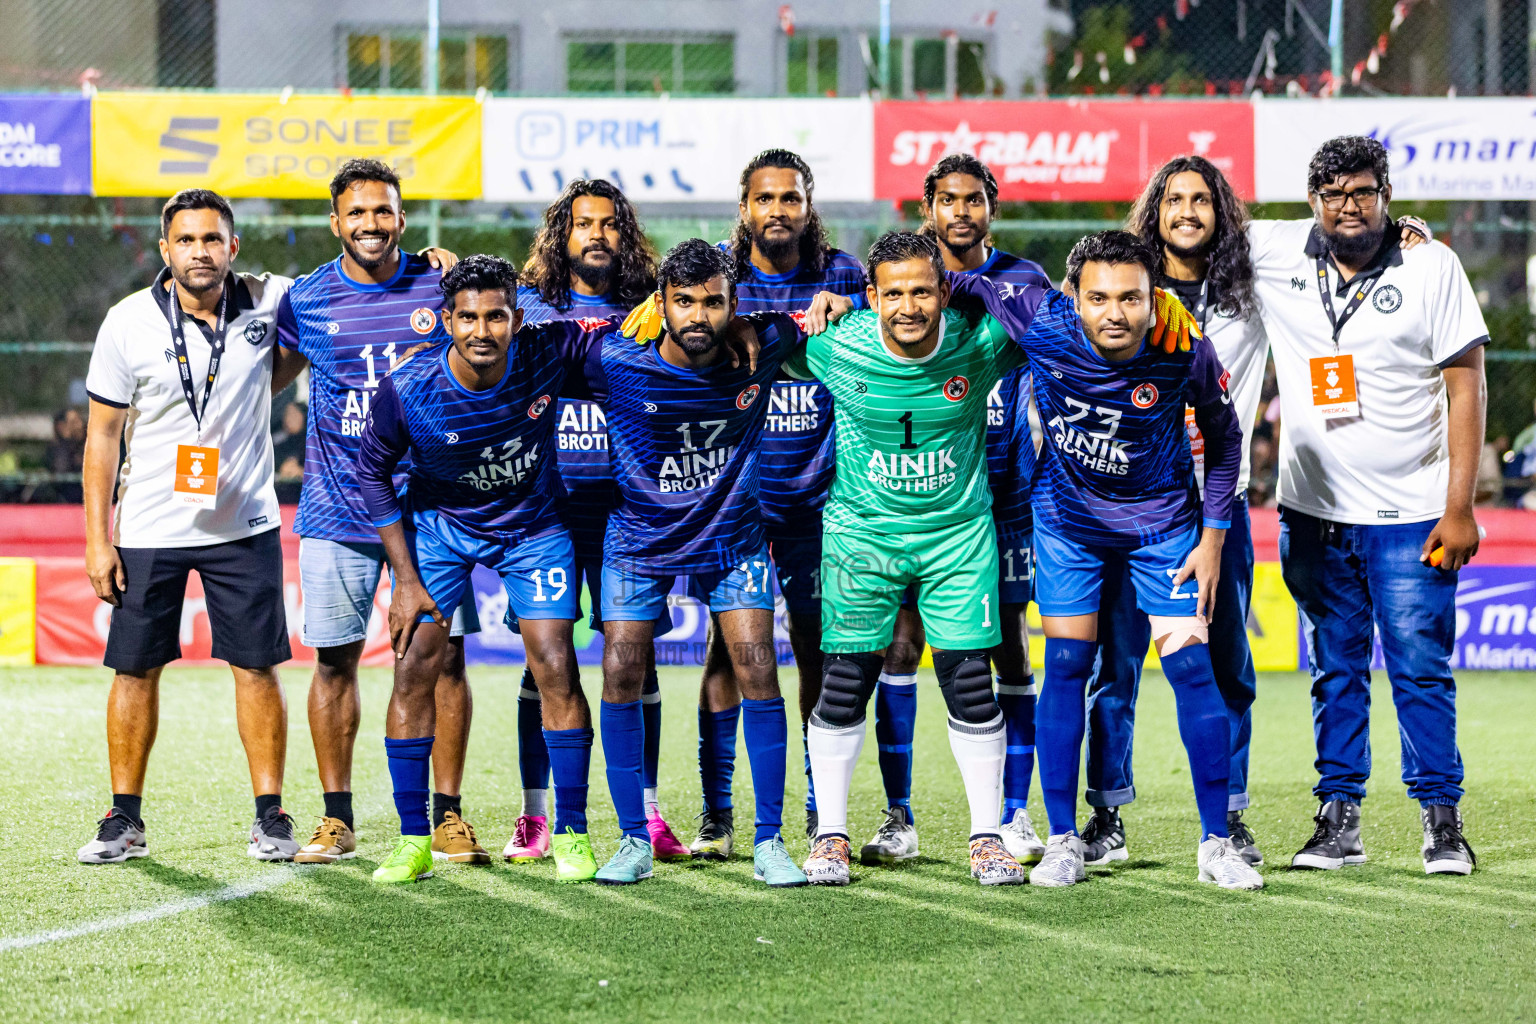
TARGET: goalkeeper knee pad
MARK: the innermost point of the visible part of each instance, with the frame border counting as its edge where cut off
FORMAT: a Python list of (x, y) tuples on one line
[(966, 682), (847, 681)]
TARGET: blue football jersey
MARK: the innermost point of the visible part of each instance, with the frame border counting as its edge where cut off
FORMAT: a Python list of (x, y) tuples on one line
[(481, 459), (1010, 447), (1116, 468), (352, 334), (685, 446), (798, 460), (581, 427)]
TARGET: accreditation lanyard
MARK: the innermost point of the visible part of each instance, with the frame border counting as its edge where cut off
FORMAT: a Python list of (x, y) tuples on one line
[(1362, 289), (1334, 394), (183, 364), (1202, 304)]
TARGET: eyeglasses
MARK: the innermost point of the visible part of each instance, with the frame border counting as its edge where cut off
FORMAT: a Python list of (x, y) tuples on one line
[(1334, 199)]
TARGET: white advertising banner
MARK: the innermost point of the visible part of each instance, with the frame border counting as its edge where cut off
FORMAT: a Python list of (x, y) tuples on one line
[(671, 150), (1439, 148)]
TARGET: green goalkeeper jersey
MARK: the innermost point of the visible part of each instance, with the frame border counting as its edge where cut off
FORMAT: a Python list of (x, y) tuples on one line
[(911, 433)]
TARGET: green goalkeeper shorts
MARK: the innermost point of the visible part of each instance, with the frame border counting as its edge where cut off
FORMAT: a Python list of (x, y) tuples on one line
[(954, 568)]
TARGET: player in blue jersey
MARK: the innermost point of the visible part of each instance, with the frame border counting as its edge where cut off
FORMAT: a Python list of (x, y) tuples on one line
[(685, 430), (959, 199), (350, 321), (590, 259), (477, 419), (1117, 480), (782, 260)]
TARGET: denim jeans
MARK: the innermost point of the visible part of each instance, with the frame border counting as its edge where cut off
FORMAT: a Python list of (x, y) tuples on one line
[(1347, 579), (1124, 634)]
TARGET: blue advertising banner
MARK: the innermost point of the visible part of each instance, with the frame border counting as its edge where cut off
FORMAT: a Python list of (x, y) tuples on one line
[(45, 145)]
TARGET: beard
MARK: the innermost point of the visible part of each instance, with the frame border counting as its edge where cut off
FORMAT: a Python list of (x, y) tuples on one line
[(1355, 249), (594, 276), (364, 260), (210, 278), (698, 340), (960, 249), (776, 250)]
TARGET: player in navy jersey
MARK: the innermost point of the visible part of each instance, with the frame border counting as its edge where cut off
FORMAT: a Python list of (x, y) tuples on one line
[(350, 321), (782, 260), (477, 419), (1116, 479), (685, 432), (590, 259)]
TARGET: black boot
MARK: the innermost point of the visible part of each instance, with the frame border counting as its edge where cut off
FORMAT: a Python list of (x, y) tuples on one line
[(1337, 839), (1446, 850)]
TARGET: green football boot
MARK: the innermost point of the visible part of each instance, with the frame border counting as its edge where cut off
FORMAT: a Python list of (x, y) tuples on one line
[(409, 861), (771, 864), (630, 865), (573, 856)]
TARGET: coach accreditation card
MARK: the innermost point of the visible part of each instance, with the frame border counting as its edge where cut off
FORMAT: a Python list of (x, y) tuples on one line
[(1333, 387), (197, 475)]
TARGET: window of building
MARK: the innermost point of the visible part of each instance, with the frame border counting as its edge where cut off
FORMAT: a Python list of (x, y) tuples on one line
[(682, 64), (811, 65), (931, 66), (467, 60)]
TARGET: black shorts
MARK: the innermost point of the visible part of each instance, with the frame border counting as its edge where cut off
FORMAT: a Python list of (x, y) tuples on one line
[(243, 589)]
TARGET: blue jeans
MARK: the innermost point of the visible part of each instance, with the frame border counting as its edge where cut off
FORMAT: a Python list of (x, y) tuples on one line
[(1347, 579), (1124, 634)]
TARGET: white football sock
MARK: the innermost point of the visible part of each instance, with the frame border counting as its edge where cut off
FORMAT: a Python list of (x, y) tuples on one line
[(979, 751), (834, 752), (652, 808), (536, 803)]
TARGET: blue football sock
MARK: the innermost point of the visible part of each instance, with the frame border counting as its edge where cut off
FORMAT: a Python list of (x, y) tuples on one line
[(1060, 716), (1016, 699), (1205, 731), (410, 766), (570, 758), (810, 783), (623, 740), (717, 755), (650, 708), (895, 722), (532, 758), (766, 730)]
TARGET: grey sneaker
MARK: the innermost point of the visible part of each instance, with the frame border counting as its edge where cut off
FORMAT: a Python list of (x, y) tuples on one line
[(894, 840), (632, 863), (1062, 864), (1242, 838), (118, 838), (1446, 850), (1104, 838), (1336, 841), (272, 837), (1020, 838)]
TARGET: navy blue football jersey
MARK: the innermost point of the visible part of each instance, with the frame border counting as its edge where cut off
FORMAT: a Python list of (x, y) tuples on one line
[(685, 446), (1116, 468), (798, 460), (352, 334), (481, 459)]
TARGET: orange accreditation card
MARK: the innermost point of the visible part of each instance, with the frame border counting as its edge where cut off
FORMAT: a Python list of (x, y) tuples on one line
[(197, 475), (1333, 387)]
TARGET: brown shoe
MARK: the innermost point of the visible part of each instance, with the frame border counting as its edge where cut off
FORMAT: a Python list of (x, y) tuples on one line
[(332, 841), (454, 840)]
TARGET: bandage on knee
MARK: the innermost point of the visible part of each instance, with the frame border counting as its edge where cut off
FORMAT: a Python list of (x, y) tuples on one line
[(1177, 630)]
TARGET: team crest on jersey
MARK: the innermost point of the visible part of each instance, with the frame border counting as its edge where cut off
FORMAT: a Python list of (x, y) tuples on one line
[(255, 331), (1145, 396), (591, 323), (956, 388), (537, 408), (798, 316), (1387, 299), (423, 320), (748, 396)]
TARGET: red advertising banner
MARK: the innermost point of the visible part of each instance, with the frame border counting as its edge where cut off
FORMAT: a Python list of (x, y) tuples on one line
[(1061, 150), (72, 623)]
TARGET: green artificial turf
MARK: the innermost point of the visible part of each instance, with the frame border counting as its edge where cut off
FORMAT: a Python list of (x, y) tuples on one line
[(707, 944)]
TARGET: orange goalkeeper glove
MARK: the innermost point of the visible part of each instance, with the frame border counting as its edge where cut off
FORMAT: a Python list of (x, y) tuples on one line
[(1174, 325), (645, 322)]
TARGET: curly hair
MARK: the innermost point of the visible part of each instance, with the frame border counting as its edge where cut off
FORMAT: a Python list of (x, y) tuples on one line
[(1347, 154), (1229, 268), (360, 169), (694, 261), (479, 273), (549, 260), (815, 251), (1114, 247)]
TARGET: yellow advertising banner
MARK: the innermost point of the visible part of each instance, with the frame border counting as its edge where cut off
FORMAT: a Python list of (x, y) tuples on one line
[(18, 611), (157, 143)]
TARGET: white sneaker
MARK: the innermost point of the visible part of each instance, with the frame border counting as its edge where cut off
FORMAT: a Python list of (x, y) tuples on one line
[(1062, 864), (118, 838), (1220, 862), (894, 840), (1020, 838)]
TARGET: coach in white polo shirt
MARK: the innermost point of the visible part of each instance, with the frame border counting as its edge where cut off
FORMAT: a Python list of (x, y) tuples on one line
[(1379, 356), (182, 374)]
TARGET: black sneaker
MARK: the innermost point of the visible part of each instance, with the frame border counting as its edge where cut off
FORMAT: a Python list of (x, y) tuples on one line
[(1336, 841), (716, 838), (1242, 838), (812, 825), (1104, 838), (1446, 850)]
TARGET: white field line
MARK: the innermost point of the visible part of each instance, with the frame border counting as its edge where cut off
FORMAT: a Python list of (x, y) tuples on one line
[(237, 891)]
